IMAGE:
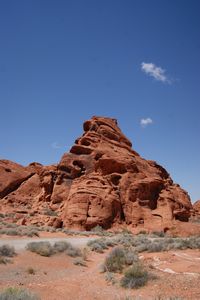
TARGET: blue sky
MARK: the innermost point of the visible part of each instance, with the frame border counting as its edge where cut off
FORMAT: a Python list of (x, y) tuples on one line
[(63, 61)]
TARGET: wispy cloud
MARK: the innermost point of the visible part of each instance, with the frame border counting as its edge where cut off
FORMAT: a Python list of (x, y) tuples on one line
[(156, 72), (55, 145), (146, 122)]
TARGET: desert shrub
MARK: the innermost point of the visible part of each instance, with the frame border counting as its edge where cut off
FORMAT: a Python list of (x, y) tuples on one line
[(79, 262), (2, 215), (10, 231), (31, 271), (115, 260), (4, 260), (156, 247), (61, 246), (194, 242), (31, 233), (49, 212), (124, 239), (97, 228), (134, 277), (84, 253), (13, 293), (158, 233), (6, 250), (142, 232), (41, 248), (131, 257), (110, 277), (73, 251), (98, 245)]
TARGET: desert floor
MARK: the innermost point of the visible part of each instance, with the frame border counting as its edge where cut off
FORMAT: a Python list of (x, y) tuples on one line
[(57, 278)]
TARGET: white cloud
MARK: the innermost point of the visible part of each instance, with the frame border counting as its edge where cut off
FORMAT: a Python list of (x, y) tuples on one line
[(146, 122), (55, 145), (156, 72)]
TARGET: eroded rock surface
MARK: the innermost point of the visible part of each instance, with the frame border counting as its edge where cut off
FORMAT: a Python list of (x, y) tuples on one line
[(102, 180)]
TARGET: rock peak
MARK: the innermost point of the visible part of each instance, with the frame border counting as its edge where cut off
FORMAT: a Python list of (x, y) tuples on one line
[(101, 181)]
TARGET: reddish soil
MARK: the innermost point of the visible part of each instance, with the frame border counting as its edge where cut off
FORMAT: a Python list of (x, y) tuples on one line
[(56, 277)]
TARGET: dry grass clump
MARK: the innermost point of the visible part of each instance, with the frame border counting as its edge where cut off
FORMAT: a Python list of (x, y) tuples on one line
[(13, 293), (134, 277)]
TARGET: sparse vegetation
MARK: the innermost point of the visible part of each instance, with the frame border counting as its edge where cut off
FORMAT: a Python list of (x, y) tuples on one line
[(61, 246), (14, 229), (79, 262), (118, 258), (115, 261), (73, 251), (41, 248), (110, 277), (44, 248), (31, 271), (6, 250), (13, 293), (4, 260), (158, 233), (49, 212), (134, 277)]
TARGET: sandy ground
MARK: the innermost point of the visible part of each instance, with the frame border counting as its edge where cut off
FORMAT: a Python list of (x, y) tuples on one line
[(57, 278)]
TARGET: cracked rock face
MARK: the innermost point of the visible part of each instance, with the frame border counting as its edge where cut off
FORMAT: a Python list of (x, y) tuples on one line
[(101, 181)]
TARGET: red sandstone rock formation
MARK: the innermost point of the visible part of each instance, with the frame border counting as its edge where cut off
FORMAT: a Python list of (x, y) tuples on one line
[(196, 207), (100, 181)]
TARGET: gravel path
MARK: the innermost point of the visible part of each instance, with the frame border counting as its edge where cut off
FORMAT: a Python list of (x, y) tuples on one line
[(20, 244)]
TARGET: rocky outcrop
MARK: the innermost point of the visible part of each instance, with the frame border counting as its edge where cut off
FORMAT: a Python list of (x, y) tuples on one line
[(101, 181), (196, 207)]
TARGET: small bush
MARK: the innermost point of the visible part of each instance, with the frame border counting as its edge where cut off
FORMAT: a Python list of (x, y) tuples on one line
[(115, 261), (158, 233), (131, 257), (10, 231), (13, 293), (31, 271), (4, 260), (98, 245), (110, 277), (41, 248), (49, 212), (79, 262), (7, 250), (73, 251), (134, 277), (61, 246)]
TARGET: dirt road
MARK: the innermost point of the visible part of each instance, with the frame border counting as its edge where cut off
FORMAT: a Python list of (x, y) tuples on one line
[(20, 243)]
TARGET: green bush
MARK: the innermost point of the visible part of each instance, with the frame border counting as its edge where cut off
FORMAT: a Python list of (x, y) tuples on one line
[(134, 277), (13, 293)]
